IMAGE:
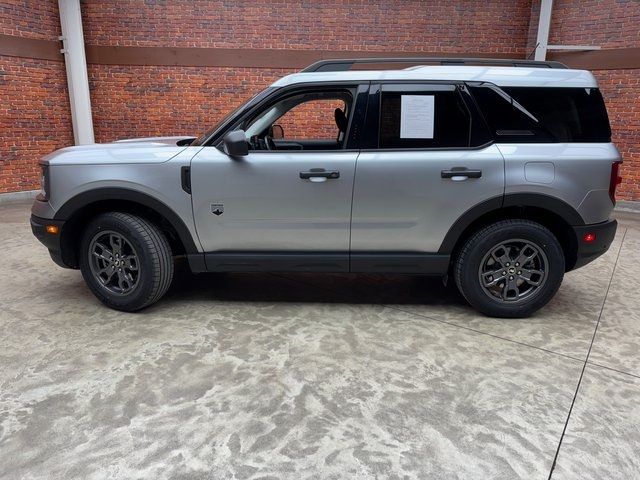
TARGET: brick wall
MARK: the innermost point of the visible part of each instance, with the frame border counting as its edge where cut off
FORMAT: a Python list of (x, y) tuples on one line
[(34, 119), (34, 112), (606, 23), (621, 90), (30, 19), (430, 26), (139, 101)]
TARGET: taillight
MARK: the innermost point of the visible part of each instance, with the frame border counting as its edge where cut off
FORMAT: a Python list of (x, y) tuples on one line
[(615, 180)]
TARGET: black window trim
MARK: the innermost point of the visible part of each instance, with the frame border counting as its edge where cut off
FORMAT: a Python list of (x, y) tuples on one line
[(361, 96), (373, 115)]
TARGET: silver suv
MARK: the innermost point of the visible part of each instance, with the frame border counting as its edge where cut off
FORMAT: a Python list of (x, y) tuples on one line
[(499, 174)]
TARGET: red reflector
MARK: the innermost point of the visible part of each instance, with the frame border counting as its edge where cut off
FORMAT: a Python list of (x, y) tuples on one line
[(589, 237)]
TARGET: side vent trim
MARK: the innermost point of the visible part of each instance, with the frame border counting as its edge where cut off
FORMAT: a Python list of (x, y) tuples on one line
[(185, 179)]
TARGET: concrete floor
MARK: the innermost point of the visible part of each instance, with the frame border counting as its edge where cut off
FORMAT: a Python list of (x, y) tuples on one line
[(310, 376)]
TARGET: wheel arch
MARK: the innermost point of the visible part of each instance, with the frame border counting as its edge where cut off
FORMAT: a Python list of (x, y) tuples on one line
[(553, 213), (84, 206)]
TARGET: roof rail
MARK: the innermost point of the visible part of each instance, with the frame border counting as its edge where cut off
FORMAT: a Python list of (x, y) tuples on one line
[(343, 64)]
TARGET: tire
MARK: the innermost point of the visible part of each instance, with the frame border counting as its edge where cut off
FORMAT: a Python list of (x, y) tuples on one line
[(484, 259), (137, 276)]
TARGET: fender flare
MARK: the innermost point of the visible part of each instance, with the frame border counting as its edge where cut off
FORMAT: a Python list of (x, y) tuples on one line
[(559, 207), (547, 202), (74, 204)]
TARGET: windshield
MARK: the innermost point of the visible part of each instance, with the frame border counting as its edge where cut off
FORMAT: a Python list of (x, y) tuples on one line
[(227, 119)]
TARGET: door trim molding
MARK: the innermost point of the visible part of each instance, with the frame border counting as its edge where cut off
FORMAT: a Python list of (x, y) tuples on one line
[(392, 262), (322, 262), (334, 262)]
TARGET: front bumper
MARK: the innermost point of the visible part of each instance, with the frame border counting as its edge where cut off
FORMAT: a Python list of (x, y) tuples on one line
[(588, 251), (49, 240)]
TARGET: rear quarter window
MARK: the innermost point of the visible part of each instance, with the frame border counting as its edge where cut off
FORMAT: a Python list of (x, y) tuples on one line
[(543, 114)]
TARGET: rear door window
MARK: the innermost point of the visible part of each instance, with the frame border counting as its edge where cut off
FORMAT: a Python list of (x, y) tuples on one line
[(423, 116), (543, 114)]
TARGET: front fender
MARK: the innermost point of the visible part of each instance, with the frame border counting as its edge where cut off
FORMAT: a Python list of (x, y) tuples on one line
[(87, 198)]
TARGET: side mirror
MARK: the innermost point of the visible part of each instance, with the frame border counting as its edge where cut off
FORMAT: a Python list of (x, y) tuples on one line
[(235, 144), (277, 132)]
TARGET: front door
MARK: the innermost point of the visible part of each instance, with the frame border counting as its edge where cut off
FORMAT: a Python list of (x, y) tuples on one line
[(289, 200)]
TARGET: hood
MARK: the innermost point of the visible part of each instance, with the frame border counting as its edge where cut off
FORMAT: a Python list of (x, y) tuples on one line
[(172, 141), (134, 150)]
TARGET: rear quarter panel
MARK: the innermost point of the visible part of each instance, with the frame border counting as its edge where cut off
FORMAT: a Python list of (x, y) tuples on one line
[(577, 173)]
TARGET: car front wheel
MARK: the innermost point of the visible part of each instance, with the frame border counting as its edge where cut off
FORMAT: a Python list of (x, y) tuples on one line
[(125, 260), (510, 268)]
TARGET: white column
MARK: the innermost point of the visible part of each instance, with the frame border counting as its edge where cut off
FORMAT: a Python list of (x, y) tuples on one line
[(544, 24), (76, 64)]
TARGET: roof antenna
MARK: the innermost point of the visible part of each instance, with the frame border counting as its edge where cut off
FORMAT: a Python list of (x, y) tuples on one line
[(533, 51)]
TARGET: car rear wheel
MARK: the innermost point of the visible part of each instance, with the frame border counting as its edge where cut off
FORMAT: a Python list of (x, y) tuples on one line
[(510, 268), (126, 261)]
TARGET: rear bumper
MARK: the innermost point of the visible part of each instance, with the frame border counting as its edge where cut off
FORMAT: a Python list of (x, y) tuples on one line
[(588, 251), (51, 241)]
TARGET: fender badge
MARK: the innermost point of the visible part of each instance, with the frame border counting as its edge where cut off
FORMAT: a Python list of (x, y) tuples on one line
[(217, 208)]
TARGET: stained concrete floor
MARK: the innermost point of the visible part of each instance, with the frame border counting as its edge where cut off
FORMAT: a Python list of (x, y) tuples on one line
[(310, 376)]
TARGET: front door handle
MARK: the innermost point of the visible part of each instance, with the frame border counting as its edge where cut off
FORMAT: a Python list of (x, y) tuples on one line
[(460, 173), (320, 173)]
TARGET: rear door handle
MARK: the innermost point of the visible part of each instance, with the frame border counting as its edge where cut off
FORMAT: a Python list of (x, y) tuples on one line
[(320, 173), (460, 173)]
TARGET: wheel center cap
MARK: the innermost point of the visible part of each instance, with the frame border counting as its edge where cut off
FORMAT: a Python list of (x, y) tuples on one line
[(512, 270)]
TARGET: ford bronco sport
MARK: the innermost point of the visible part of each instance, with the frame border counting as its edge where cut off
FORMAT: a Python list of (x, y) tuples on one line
[(499, 174)]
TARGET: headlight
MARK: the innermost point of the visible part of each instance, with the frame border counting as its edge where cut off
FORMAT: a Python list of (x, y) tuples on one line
[(44, 184)]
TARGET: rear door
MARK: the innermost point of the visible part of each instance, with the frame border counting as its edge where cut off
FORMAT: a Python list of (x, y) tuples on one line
[(428, 161)]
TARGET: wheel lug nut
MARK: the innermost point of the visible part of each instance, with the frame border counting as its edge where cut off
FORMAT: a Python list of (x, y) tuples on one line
[(517, 264), (519, 272), (510, 277), (508, 264), (504, 273)]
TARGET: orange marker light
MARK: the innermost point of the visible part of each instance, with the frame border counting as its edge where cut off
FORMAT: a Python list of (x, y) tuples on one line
[(52, 229), (589, 237)]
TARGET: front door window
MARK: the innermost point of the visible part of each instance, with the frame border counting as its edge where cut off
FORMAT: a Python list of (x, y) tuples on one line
[(307, 121)]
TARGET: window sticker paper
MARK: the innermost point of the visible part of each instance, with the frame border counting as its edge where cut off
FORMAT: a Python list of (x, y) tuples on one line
[(417, 116)]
